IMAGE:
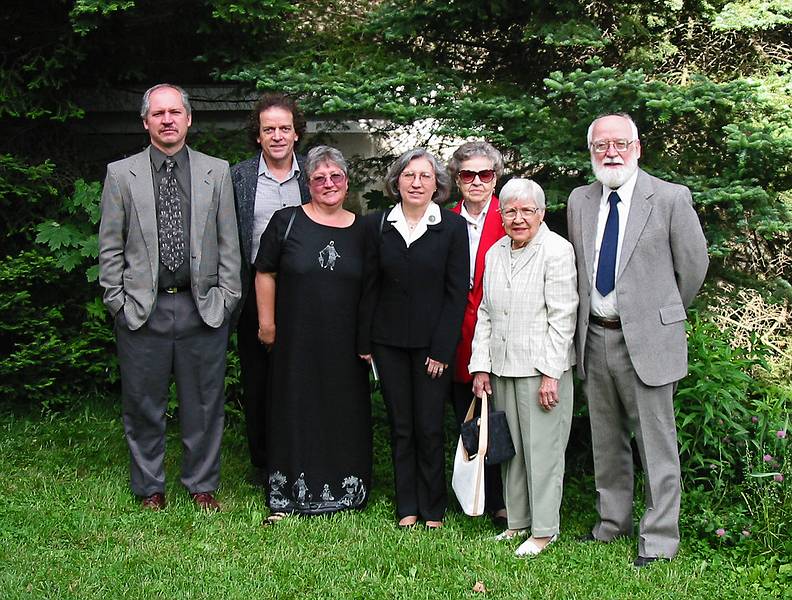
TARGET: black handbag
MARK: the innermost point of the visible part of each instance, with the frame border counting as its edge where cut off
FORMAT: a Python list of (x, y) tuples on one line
[(499, 442)]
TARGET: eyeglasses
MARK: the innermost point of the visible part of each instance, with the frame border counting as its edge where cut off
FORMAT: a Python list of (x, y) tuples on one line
[(510, 214), (424, 177), (485, 176), (320, 180), (601, 146)]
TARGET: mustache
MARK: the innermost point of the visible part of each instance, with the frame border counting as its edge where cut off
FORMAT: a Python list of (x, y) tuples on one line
[(616, 160)]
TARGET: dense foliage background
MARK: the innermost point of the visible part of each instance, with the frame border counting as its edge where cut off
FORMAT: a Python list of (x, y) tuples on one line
[(708, 82)]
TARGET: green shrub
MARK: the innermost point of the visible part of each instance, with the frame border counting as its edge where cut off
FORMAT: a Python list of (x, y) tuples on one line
[(712, 405), (55, 340)]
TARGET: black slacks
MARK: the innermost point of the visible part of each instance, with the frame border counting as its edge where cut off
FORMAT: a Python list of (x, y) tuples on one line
[(415, 404), (461, 396), (253, 362)]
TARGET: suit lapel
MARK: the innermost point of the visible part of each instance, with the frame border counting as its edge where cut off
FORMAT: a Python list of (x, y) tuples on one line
[(200, 201), (640, 209), (588, 223), (142, 189)]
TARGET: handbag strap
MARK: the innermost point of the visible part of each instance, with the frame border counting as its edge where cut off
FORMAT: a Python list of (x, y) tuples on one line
[(289, 226), (483, 421), (483, 425)]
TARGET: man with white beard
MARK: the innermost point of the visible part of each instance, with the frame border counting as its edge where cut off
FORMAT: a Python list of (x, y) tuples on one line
[(641, 258)]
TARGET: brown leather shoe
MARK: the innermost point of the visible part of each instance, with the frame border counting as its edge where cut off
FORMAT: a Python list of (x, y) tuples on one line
[(154, 502), (206, 501)]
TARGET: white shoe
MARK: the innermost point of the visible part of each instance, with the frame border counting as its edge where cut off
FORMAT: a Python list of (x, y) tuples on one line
[(529, 548), (510, 534)]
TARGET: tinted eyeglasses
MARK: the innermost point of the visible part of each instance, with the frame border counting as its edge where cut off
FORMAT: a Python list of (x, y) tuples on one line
[(319, 180), (484, 176)]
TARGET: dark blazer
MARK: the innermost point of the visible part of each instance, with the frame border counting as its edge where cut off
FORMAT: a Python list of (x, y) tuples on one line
[(244, 177), (415, 297), (663, 264)]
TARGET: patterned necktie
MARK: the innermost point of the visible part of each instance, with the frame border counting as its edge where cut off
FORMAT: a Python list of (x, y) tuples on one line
[(171, 232), (606, 269)]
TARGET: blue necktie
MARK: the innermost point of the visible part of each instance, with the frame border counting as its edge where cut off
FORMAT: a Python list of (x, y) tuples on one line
[(606, 269)]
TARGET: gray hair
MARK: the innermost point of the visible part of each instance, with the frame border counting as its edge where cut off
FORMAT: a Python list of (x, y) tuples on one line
[(469, 150), (522, 189), (324, 154), (146, 104), (623, 115), (441, 175)]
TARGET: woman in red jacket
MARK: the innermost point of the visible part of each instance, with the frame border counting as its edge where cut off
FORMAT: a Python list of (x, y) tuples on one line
[(475, 167)]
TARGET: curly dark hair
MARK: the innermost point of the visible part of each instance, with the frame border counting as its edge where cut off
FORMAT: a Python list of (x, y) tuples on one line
[(270, 100)]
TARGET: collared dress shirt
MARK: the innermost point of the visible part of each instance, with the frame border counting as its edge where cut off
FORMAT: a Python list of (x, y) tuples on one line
[(272, 195), (432, 216), (475, 225), (181, 276), (607, 306)]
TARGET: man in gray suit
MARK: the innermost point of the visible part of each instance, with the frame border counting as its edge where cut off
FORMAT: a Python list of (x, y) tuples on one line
[(641, 258), (169, 266), (273, 179)]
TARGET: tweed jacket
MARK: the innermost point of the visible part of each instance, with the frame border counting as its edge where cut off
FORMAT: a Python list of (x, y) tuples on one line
[(662, 266), (244, 177), (526, 320), (491, 232), (129, 246)]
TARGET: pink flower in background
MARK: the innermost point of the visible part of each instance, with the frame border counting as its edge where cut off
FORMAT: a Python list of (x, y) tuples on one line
[(746, 533), (754, 419), (720, 532), (767, 458), (778, 477), (781, 434)]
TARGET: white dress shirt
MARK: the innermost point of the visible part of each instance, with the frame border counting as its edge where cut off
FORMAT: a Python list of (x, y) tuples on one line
[(475, 225), (608, 306), (431, 216)]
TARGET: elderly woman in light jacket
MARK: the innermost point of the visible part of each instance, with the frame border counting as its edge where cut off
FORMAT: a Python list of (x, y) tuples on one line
[(523, 354)]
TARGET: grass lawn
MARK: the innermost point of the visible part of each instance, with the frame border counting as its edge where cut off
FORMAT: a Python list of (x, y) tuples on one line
[(70, 528)]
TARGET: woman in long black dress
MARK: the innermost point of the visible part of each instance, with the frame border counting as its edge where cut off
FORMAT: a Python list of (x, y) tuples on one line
[(308, 285)]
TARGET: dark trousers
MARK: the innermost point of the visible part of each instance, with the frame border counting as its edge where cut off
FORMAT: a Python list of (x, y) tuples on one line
[(415, 404), (461, 396), (173, 340), (253, 361)]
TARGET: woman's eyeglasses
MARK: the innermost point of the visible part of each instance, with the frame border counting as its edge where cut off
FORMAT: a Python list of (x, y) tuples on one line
[(484, 176), (319, 180), (526, 212)]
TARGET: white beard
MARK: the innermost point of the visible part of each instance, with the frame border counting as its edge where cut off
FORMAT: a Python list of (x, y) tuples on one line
[(614, 177)]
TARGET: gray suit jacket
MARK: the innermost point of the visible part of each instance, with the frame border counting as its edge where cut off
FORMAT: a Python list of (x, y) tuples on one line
[(244, 177), (129, 248), (662, 266)]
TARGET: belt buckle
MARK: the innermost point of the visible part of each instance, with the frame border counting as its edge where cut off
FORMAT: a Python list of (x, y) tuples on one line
[(171, 290)]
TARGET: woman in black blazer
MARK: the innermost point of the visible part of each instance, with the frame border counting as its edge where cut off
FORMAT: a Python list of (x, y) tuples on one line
[(417, 289)]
